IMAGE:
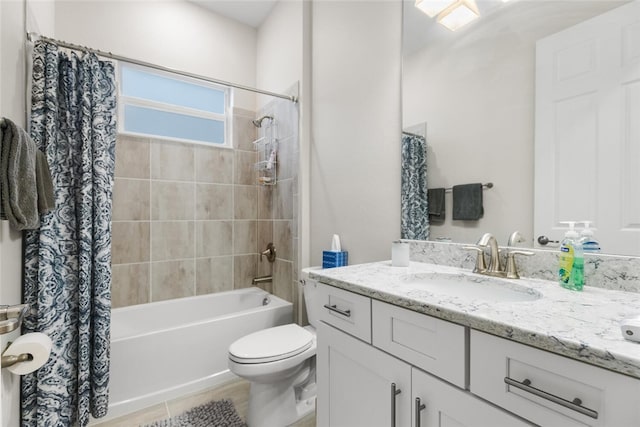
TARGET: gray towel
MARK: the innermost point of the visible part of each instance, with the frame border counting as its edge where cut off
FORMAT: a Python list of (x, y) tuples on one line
[(467, 202), (26, 188), (435, 199)]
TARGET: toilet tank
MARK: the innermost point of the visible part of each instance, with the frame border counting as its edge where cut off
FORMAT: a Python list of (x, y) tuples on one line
[(310, 291)]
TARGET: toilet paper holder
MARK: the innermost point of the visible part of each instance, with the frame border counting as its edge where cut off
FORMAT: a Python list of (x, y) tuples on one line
[(12, 360), (11, 317)]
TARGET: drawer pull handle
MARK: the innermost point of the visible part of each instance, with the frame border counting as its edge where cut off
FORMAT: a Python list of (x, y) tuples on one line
[(575, 405), (346, 313), (419, 408), (394, 393)]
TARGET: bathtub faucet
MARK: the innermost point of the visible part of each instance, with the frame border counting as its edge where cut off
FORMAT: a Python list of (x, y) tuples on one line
[(261, 279)]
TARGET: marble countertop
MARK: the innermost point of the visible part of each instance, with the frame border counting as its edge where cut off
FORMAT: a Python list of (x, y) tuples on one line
[(580, 325)]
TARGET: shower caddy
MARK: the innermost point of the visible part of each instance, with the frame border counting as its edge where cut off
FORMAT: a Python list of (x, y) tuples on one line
[(267, 148)]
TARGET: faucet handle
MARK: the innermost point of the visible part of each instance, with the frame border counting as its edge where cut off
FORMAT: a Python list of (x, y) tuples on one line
[(481, 265), (512, 270)]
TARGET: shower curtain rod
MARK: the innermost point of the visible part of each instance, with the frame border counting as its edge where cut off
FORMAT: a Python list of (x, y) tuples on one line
[(35, 36)]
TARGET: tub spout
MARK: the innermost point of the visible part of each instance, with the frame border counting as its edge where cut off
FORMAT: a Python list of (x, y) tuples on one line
[(261, 279)]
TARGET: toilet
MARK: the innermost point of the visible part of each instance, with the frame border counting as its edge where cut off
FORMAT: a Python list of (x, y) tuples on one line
[(280, 363)]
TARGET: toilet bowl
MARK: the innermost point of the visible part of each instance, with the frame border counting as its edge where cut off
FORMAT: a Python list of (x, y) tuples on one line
[(280, 364)]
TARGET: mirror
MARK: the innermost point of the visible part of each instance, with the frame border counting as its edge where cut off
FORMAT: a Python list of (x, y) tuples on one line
[(472, 92)]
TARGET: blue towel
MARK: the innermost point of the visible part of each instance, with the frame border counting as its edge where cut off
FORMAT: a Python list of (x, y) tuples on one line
[(467, 202)]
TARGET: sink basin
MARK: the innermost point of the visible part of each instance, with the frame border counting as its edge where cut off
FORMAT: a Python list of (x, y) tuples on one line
[(472, 287)]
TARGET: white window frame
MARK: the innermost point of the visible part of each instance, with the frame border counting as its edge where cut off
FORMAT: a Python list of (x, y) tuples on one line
[(124, 100)]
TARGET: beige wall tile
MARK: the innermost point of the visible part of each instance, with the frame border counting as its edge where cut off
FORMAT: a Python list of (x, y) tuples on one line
[(132, 157), (282, 239), (130, 242), (214, 201), (245, 237), (172, 200), (246, 202), (130, 200), (214, 275), (244, 270), (283, 200), (282, 280), (286, 163), (130, 284), (172, 279), (265, 235), (172, 161), (265, 201), (245, 172), (244, 132), (172, 240), (214, 238), (214, 165)]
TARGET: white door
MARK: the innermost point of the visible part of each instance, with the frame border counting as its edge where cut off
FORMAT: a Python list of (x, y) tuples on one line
[(355, 383), (587, 141), (448, 406)]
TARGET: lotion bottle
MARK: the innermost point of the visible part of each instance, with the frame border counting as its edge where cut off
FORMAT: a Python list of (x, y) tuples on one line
[(571, 260), (589, 242)]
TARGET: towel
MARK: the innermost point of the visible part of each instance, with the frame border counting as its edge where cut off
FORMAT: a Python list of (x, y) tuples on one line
[(26, 188), (435, 198), (467, 202)]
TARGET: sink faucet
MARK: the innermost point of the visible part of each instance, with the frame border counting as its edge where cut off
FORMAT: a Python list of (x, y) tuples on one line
[(495, 267)]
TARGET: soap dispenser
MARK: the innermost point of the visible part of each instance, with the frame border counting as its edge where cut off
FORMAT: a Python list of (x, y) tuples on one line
[(571, 260), (589, 242)]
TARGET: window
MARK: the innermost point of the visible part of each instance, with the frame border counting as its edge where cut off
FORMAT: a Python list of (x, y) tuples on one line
[(168, 106)]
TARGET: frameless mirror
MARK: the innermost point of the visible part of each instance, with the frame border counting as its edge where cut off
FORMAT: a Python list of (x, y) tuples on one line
[(473, 92)]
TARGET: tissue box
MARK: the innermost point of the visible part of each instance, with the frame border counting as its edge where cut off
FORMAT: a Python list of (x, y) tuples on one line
[(331, 259)]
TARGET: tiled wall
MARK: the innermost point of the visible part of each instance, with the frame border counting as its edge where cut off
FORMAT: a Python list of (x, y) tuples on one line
[(280, 223), (185, 217)]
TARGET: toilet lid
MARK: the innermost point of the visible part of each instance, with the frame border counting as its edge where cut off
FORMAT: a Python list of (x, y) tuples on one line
[(269, 345)]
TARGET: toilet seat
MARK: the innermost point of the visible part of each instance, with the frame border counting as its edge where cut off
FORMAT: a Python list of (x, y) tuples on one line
[(270, 345)]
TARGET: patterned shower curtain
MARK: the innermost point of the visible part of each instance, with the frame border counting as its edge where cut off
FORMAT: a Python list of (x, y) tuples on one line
[(68, 260), (415, 212)]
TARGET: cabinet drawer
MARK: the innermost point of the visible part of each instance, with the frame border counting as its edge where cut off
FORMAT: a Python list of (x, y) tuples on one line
[(543, 387), (346, 311), (431, 344)]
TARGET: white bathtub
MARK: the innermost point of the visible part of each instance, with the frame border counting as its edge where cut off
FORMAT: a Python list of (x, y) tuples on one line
[(166, 349)]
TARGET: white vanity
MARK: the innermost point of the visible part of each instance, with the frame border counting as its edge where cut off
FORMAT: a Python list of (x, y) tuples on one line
[(394, 352)]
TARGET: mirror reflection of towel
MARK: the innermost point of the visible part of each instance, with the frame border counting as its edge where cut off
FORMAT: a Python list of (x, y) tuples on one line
[(435, 198), (467, 202)]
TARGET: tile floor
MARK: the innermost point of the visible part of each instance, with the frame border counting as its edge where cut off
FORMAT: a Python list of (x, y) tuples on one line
[(236, 390)]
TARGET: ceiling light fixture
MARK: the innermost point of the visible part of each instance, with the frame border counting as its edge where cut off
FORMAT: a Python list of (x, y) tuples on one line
[(459, 14), (433, 7)]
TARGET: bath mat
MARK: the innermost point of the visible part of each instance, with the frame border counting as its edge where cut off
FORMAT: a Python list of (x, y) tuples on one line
[(220, 413)]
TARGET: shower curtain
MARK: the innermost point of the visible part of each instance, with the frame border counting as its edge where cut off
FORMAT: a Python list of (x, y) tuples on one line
[(68, 260), (415, 212)]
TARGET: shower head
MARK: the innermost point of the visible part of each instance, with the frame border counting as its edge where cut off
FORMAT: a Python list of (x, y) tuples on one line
[(258, 122)]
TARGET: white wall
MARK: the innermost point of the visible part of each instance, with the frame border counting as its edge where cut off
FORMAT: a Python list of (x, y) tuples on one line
[(175, 34), (279, 49), (12, 106), (478, 106), (356, 125)]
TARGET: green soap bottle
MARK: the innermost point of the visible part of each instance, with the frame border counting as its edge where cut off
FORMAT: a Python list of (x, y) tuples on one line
[(571, 260)]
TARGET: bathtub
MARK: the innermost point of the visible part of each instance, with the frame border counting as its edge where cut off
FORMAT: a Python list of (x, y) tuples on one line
[(167, 349)]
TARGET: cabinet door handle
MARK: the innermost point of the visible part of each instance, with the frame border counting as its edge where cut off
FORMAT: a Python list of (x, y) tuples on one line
[(575, 405), (345, 313), (394, 393), (419, 408)]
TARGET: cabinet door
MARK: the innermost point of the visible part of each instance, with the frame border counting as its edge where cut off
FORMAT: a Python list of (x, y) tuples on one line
[(355, 383), (448, 406)]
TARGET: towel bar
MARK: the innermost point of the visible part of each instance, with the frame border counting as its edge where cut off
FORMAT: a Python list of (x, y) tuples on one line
[(487, 185)]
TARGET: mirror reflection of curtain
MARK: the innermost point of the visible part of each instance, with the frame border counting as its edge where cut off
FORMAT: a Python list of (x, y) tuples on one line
[(415, 213), (67, 276)]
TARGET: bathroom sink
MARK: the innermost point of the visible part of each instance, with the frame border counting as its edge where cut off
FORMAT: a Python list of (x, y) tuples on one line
[(472, 286)]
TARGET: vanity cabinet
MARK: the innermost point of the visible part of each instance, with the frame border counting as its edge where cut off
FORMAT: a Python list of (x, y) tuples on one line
[(361, 385), (549, 389)]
